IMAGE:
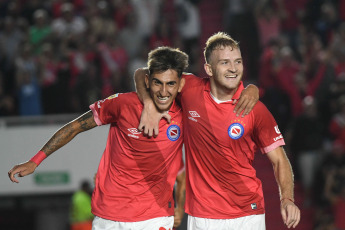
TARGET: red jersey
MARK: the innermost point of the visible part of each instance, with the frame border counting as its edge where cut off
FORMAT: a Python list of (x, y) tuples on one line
[(136, 175), (220, 147)]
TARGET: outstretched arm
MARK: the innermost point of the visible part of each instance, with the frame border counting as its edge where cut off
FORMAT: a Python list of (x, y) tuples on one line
[(284, 176), (150, 116), (180, 198), (64, 135), (249, 97)]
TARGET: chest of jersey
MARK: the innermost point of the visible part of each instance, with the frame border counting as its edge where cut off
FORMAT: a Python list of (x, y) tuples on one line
[(213, 128), (169, 134), (218, 120)]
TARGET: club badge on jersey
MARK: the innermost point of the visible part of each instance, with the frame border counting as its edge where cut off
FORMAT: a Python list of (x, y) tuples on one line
[(235, 131), (173, 132)]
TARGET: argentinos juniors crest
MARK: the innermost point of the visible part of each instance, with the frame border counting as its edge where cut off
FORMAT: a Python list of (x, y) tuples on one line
[(173, 132), (235, 131)]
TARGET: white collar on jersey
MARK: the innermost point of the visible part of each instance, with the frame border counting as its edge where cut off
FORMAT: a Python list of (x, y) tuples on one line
[(217, 100)]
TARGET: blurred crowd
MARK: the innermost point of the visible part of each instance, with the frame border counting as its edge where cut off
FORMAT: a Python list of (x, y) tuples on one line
[(59, 56), (301, 73)]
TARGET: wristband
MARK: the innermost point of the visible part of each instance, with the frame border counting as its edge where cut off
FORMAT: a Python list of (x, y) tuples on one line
[(38, 158), (287, 199)]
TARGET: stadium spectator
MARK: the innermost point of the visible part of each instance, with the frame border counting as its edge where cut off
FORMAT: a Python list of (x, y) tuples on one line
[(7, 105), (80, 215), (40, 31), (10, 39), (269, 23), (306, 133), (113, 63), (130, 37), (48, 67), (101, 23), (337, 124), (335, 193), (69, 24), (189, 30)]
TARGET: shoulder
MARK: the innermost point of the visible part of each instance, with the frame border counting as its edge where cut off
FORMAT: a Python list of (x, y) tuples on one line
[(124, 97), (191, 77), (119, 100), (260, 107), (261, 111), (261, 115), (192, 80)]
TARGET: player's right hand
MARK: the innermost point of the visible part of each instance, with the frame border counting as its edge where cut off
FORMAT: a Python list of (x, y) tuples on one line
[(290, 213), (178, 217), (22, 169), (149, 121)]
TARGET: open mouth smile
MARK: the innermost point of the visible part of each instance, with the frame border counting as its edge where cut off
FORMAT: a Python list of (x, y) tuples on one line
[(231, 76), (163, 99)]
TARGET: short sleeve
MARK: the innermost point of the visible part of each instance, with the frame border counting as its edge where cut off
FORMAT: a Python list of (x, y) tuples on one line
[(190, 81), (106, 111), (267, 135)]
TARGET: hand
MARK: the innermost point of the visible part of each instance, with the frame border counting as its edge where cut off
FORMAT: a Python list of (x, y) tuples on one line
[(22, 169), (178, 217), (149, 121), (290, 213), (249, 97)]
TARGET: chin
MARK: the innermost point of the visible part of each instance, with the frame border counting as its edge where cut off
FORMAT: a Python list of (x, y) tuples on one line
[(164, 108)]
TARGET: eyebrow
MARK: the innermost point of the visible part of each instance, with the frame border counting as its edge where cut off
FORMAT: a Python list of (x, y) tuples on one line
[(155, 79), (226, 59)]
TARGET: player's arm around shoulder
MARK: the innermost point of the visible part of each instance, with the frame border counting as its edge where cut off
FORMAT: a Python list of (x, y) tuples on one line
[(248, 99), (150, 116), (64, 135), (291, 214)]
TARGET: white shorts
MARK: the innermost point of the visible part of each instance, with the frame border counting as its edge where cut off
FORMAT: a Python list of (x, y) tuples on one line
[(159, 223), (253, 222)]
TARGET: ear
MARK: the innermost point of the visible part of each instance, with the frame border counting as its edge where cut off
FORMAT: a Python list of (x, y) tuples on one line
[(208, 69), (182, 82), (147, 81)]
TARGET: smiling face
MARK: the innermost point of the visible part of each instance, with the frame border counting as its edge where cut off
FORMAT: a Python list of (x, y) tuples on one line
[(226, 70), (164, 87)]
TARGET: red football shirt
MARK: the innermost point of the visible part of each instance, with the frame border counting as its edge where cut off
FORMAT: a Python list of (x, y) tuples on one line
[(220, 148), (136, 175)]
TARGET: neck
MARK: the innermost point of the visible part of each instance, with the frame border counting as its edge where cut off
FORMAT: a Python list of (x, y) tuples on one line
[(222, 94), (217, 100)]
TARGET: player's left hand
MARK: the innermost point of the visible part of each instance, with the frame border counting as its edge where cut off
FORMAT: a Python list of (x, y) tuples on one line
[(290, 213), (178, 217), (149, 120), (249, 97)]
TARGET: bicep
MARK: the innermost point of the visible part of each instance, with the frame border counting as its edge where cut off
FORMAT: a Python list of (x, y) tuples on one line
[(277, 155)]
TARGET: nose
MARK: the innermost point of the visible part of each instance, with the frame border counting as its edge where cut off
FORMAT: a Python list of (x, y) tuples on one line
[(232, 68), (164, 90)]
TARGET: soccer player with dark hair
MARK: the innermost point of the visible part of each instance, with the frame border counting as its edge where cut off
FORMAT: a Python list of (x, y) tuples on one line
[(135, 178)]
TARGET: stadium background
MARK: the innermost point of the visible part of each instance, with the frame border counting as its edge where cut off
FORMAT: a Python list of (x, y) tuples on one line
[(57, 57)]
